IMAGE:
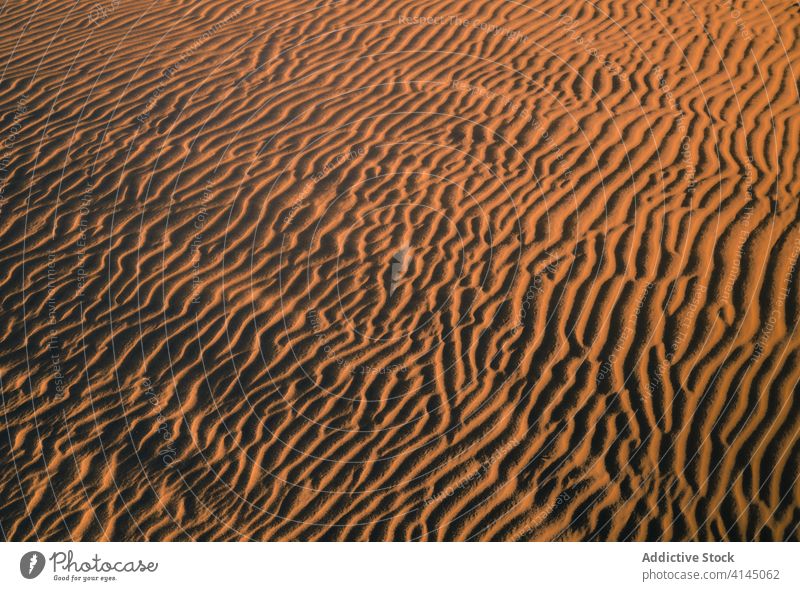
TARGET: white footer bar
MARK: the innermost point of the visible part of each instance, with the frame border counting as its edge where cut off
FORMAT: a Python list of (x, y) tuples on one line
[(400, 566)]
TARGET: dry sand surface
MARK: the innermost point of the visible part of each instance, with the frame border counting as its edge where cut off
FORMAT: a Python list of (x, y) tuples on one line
[(415, 270)]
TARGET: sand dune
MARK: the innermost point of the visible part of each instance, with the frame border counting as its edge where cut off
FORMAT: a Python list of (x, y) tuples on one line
[(400, 271)]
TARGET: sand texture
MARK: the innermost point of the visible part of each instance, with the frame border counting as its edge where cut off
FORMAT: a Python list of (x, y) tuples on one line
[(415, 270)]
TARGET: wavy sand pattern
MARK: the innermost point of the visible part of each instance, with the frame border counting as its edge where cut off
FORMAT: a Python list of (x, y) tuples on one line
[(364, 270)]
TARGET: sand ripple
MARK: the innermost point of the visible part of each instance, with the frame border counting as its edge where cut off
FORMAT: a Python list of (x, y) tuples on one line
[(375, 271)]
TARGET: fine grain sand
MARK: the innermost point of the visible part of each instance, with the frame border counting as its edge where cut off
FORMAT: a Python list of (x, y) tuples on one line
[(415, 270)]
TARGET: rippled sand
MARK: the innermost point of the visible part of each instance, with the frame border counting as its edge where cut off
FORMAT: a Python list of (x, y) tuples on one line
[(377, 271)]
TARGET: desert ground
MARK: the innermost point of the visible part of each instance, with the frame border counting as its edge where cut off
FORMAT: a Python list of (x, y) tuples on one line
[(417, 270)]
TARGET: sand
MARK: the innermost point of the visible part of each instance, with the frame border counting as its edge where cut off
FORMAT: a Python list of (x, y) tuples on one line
[(365, 270)]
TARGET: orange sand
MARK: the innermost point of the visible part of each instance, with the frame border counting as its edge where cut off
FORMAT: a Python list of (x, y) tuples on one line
[(379, 271)]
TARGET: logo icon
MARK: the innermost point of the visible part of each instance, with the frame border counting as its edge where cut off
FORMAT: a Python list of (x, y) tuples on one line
[(399, 267), (31, 564)]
